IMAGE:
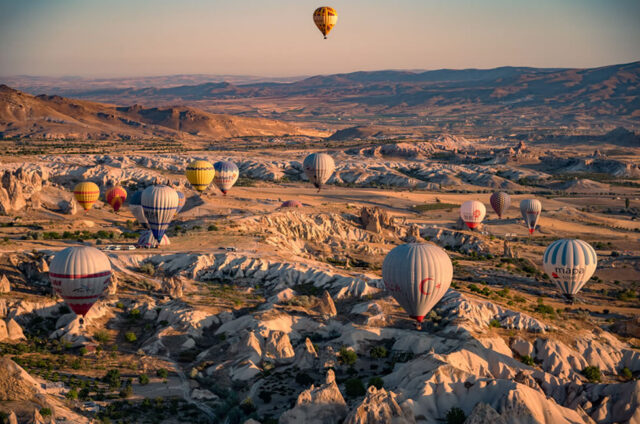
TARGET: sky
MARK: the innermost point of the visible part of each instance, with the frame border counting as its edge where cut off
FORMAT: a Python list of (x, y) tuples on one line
[(119, 38)]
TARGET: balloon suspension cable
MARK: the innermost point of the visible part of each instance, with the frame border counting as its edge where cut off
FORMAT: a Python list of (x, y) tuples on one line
[(325, 37), (418, 326)]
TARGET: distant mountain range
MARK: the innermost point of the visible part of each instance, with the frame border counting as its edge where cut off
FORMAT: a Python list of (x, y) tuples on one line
[(469, 100), (53, 117)]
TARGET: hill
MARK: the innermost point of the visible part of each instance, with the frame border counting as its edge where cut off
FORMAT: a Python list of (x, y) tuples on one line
[(54, 117)]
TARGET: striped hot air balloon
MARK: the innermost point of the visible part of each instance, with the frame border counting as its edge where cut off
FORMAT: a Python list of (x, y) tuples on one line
[(531, 209), (500, 202), (160, 204), (115, 197), (291, 204), (148, 241), (319, 167), (570, 263), (472, 213), (181, 201), (135, 205), (417, 276), (80, 274), (86, 194), (325, 19), (200, 173), (226, 175)]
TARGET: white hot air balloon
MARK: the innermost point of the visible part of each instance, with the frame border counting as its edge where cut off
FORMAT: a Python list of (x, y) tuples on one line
[(80, 274), (472, 213), (148, 241), (160, 204), (318, 167), (570, 263), (530, 210), (417, 276), (135, 205)]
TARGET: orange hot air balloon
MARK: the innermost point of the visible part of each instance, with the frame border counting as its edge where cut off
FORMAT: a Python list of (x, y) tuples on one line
[(115, 197), (325, 19), (86, 194)]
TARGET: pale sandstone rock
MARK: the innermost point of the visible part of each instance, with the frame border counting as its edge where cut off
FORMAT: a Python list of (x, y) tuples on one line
[(318, 405)]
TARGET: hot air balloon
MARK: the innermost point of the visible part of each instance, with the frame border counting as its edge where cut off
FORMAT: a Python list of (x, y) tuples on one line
[(472, 213), (86, 193), (291, 204), (148, 241), (417, 276), (570, 263), (80, 274), (325, 19), (160, 204), (530, 209), (200, 173), (319, 167), (226, 175), (500, 202), (181, 201), (115, 197), (135, 204)]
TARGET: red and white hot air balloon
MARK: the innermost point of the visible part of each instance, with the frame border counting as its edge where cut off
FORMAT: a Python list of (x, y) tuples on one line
[(80, 274), (472, 213)]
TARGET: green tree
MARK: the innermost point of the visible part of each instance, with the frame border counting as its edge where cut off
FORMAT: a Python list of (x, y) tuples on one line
[(72, 394), (130, 336), (354, 387), (593, 374), (143, 379), (162, 373), (347, 356), (456, 416)]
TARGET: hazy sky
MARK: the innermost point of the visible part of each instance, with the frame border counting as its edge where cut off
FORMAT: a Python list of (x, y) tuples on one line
[(278, 37)]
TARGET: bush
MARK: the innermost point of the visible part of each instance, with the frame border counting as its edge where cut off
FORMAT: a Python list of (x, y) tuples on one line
[(101, 336), (354, 387), (377, 382), (46, 412), (143, 379), (83, 351), (378, 352), (347, 356), (247, 406), (544, 309), (456, 416), (626, 373), (212, 227), (72, 394), (120, 305), (494, 323), (593, 374), (130, 337), (303, 379), (112, 378), (162, 373), (528, 360), (147, 268), (127, 391), (134, 314)]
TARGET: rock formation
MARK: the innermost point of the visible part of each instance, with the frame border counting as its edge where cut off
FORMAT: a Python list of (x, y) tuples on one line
[(5, 286), (380, 407), (318, 405)]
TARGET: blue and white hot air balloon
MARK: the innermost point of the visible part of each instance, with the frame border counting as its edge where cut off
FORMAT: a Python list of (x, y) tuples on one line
[(417, 276), (226, 175), (160, 204), (570, 263), (181, 201), (135, 205)]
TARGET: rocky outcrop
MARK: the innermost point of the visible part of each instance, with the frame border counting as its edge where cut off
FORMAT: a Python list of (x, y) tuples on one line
[(18, 186), (318, 405), (174, 287), (628, 327), (326, 306), (306, 355), (278, 348), (374, 219), (5, 286), (380, 407)]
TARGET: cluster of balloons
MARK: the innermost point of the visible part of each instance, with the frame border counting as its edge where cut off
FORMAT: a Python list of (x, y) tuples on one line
[(473, 212), (201, 174)]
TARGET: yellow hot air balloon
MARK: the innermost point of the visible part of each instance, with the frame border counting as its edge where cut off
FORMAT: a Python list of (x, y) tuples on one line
[(200, 173), (325, 19), (86, 193)]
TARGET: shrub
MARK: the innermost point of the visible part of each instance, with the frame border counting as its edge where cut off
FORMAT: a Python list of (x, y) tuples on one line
[(377, 382), (212, 227), (626, 373), (126, 391), (378, 352), (72, 394), (494, 323), (46, 412), (593, 374), (455, 416), (347, 356), (247, 406), (102, 336), (544, 309), (120, 305), (83, 351), (147, 268), (134, 314), (528, 360), (303, 379), (130, 336), (76, 364), (162, 373), (143, 379), (112, 378), (354, 387)]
